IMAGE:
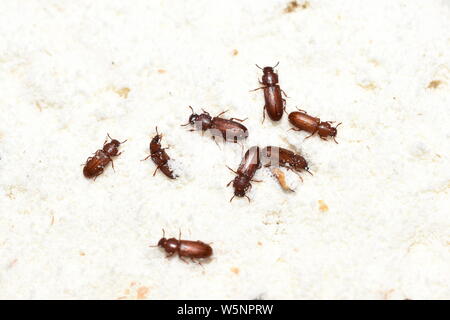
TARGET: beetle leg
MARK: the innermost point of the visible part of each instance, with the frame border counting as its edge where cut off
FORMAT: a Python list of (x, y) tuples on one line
[(232, 198), (87, 160), (238, 119), (264, 114), (196, 261), (282, 91), (242, 148), (204, 111), (182, 258), (214, 138), (335, 140), (101, 171), (253, 180), (295, 129), (284, 106), (298, 174), (230, 183), (311, 135), (301, 110), (112, 163), (247, 198), (257, 89), (156, 170), (169, 255), (146, 157), (231, 170), (221, 113)]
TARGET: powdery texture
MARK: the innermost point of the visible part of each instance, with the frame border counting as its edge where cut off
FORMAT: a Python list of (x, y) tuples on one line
[(372, 223)]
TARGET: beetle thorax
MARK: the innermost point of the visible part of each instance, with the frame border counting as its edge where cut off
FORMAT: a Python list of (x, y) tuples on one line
[(298, 162), (269, 76), (241, 184), (171, 245), (202, 121), (325, 129), (111, 148), (155, 145)]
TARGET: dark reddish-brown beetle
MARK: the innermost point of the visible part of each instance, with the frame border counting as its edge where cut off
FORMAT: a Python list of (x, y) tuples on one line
[(160, 156), (274, 103), (247, 169), (276, 156), (185, 248), (95, 165), (303, 121), (228, 129)]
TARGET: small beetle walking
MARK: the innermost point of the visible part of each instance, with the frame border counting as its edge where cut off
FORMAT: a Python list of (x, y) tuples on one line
[(95, 165), (274, 103), (276, 156), (303, 121), (160, 156), (247, 169), (185, 248), (228, 129)]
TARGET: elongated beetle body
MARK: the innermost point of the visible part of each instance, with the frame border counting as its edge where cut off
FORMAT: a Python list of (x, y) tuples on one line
[(247, 169), (185, 248), (276, 156), (95, 165), (159, 156), (274, 102), (228, 129), (303, 121)]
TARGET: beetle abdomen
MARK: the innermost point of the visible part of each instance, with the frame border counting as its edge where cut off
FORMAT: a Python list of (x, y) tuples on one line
[(274, 102), (194, 249)]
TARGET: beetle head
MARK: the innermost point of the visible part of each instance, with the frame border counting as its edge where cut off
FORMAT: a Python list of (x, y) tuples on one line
[(241, 184), (162, 242)]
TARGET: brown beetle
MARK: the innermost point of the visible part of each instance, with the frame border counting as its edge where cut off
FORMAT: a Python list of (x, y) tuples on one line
[(95, 165), (247, 169), (276, 156), (228, 129), (185, 248), (274, 103), (160, 156), (303, 121)]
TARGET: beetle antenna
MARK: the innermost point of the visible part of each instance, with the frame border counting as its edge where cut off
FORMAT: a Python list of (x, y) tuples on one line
[(258, 66), (276, 65), (247, 198), (231, 169), (232, 198), (183, 125)]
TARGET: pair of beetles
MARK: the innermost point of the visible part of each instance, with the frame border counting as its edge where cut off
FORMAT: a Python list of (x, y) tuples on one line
[(230, 130)]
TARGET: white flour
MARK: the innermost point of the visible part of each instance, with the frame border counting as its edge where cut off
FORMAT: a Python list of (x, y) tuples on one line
[(372, 223)]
